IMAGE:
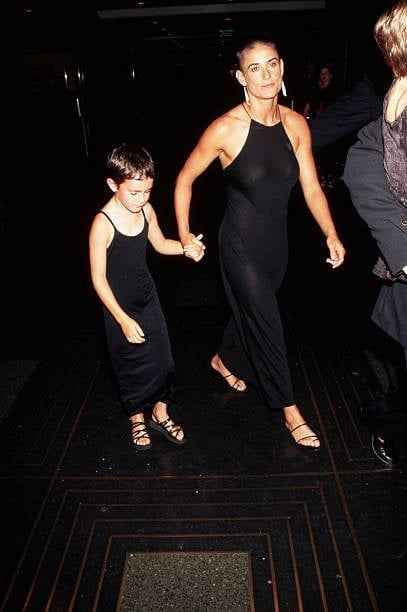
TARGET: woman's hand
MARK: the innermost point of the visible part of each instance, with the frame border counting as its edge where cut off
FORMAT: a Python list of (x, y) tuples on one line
[(133, 332), (336, 251)]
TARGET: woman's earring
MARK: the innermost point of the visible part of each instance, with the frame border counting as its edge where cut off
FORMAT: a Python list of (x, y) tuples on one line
[(246, 95), (283, 89)]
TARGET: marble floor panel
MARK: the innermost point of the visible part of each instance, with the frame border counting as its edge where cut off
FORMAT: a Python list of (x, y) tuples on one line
[(316, 531)]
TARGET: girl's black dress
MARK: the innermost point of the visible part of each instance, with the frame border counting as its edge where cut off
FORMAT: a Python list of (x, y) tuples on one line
[(144, 372)]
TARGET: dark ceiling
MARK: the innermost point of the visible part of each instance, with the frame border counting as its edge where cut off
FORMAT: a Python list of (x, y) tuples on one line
[(177, 32), (132, 64), (170, 26)]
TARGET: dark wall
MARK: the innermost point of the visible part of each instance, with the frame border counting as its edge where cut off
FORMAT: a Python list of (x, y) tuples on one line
[(98, 82)]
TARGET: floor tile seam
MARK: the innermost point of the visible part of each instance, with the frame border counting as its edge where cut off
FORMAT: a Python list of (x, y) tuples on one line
[(346, 510), (121, 500), (200, 478), (348, 515), (44, 503), (313, 395), (104, 567), (312, 487), (347, 374), (132, 505), (194, 536), (341, 472), (71, 384)]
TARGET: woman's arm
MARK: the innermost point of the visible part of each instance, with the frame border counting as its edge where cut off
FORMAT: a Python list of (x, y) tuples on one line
[(313, 193), (204, 153)]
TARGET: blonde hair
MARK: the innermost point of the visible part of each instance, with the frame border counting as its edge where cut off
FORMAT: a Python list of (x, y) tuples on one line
[(390, 32)]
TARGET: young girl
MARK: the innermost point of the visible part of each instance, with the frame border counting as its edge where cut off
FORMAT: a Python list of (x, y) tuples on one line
[(136, 330)]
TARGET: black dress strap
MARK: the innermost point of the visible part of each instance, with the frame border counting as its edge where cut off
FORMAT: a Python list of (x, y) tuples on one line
[(246, 110), (144, 215), (107, 217)]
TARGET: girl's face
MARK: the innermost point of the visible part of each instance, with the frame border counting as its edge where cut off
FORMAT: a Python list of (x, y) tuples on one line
[(133, 194), (261, 71)]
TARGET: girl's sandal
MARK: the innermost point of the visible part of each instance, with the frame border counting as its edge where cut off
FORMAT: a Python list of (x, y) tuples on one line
[(168, 429), (138, 433)]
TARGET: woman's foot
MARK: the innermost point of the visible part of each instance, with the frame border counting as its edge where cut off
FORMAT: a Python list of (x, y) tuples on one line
[(162, 422), (139, 434), (300, 431), (230, 379)]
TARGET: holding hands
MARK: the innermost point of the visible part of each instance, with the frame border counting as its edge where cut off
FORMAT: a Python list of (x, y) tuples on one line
[(195, 248)]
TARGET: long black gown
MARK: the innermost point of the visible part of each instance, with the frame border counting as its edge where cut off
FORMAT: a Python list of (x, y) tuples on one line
[(253, 248), (145, 372)]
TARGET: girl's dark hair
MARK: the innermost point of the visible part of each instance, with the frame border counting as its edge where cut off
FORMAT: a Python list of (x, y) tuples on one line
[(129, 161)]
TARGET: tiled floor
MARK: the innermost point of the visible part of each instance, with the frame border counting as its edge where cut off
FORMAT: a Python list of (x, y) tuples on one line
[(323, 531)]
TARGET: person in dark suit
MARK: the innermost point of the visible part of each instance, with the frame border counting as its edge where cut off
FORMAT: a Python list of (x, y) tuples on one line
[(334, 130), (386, 218), (375, 175), (383, 211), (348, 114)]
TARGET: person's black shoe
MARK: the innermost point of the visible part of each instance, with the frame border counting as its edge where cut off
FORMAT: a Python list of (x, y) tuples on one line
[(384, 451)]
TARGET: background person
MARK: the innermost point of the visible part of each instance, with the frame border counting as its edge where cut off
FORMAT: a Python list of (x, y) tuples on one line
[(321, 94)]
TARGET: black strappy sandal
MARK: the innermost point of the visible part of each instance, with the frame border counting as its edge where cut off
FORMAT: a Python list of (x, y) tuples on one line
[(168, 429), (138, 434), (224, 379), (312, 437)]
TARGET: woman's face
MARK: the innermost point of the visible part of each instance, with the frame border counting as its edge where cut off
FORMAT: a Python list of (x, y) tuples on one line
[(261, 71)]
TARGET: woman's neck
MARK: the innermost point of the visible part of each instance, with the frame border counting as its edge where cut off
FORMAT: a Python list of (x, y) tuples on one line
[(267, 114)]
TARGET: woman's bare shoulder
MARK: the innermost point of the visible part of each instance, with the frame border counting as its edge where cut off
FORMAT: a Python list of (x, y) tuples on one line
[(296, 127), (230, 120), (290, 117)]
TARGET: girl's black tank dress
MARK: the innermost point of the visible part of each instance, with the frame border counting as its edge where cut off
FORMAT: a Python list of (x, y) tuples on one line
[(144, 372)]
